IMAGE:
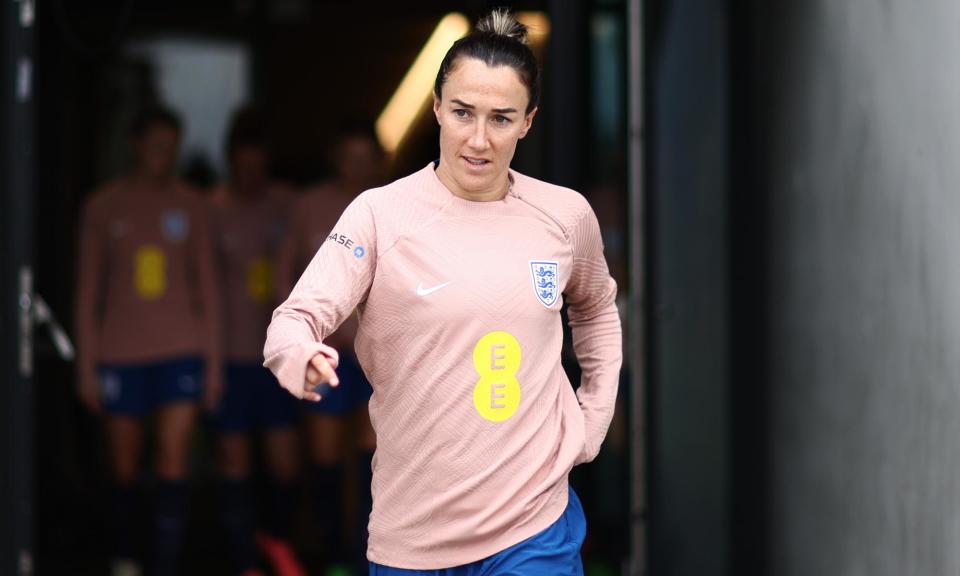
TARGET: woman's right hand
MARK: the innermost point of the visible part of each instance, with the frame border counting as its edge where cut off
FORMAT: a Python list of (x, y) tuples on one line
[(320, 370)]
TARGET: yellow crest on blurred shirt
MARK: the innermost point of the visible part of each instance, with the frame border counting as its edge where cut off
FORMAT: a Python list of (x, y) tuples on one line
[(150, 272), (260, 280)]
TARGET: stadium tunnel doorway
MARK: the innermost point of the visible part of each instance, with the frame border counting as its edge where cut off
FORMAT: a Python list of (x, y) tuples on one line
[(72, 74)]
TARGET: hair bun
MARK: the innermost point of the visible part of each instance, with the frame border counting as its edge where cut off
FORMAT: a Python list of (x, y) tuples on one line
[(501, 23)]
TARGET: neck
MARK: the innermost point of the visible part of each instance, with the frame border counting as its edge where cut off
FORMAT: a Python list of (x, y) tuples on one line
[(246, 192), (496, 192), (151, 181)]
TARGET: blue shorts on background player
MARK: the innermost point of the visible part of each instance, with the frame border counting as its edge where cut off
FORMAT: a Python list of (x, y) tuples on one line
[(138, 389), (252, 400)]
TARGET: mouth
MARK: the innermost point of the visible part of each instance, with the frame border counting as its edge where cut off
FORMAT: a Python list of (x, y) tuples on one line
[(475, 163)]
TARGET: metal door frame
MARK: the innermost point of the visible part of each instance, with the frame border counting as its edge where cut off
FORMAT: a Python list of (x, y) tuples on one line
[(16, 271), (637, 305)]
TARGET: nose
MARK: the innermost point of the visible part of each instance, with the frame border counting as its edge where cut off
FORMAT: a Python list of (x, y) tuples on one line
[(478, 138)]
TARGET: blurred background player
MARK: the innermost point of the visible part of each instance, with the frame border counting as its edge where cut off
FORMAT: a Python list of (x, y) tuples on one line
[(147, 324), (358, 164), (249, 223)]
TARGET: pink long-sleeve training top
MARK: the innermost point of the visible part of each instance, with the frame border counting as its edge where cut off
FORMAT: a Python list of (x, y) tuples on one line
[(147, 288), (460, 334)]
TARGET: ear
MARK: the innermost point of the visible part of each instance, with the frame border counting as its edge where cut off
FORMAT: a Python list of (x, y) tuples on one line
[(528, 122), (436, 108)]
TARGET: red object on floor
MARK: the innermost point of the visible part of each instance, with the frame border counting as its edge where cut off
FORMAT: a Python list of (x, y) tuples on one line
[(281, 555)]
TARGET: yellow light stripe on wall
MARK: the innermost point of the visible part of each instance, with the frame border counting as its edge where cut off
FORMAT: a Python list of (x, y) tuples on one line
[(417, 86)]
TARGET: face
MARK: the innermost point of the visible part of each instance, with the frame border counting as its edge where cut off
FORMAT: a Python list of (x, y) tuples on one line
[(481, 116), (157, 150), (250, 167), (358, 161)]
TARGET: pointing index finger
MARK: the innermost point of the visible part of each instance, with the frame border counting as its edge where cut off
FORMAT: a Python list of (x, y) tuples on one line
[(327, 373)]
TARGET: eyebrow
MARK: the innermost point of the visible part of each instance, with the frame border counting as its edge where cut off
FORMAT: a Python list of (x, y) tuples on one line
[(471, 107)]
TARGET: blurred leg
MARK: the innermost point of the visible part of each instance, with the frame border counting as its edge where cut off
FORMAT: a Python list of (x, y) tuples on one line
[(282, 454), (125, 439), (366, 444), (283, 464), (233, 455), (175, 424), (326, 433), (282, 461), (278, 417), (237, 510)]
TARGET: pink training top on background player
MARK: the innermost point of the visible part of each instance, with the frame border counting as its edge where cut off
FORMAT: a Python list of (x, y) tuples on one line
[(460, 335), (147, 267), (311, 220), (248, 234), (220, 195)]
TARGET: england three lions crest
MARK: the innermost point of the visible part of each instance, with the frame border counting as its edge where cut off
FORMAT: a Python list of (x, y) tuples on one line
[(546, 281)]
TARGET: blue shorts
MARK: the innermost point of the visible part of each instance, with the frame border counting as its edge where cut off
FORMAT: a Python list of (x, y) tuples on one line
[(554, 551), (353, 391), (252, 398), (138, 389)]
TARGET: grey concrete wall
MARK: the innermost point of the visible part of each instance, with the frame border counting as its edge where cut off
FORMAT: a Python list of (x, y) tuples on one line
[(862, 129), (689, 456)]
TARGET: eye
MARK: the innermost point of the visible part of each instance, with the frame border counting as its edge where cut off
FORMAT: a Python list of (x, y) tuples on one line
[(502, 120), (460, 113)]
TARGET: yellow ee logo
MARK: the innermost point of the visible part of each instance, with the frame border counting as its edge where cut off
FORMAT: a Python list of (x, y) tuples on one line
[(260, 280), (496, 358), (150, 272)]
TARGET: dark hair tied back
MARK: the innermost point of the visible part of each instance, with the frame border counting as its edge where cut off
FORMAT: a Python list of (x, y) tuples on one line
[(498, 40), (501, 23)]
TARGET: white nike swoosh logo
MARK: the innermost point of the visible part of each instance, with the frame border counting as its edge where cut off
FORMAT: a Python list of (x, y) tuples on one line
[(421, 291)]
